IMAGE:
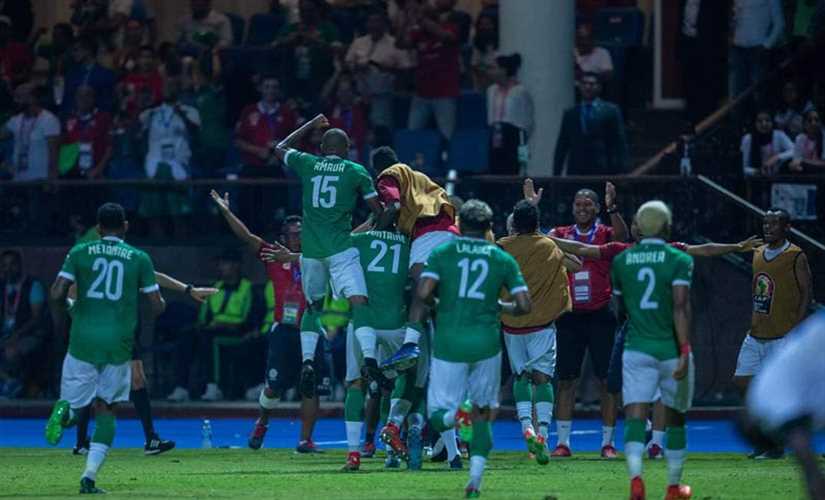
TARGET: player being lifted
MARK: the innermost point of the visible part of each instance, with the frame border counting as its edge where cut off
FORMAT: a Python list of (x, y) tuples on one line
[(110, 275), (331, 185), (467, 275), (651, 283)]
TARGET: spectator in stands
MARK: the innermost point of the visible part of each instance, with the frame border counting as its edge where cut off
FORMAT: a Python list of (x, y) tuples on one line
[(224, 314), (22, 329), (126, 15), (22, 17), (765, 149), (127, 157), (15, 57), (758, 26), (789, 117), (307, 45), (345, 110), (36, 134), (436, 39), (375, 60), (142, 87), (204, 29), (809, 154), (262, 125), (510, 116), (205, 93), (87, 71), (171, 128), (57, 52), (88, 132), (126, 54), (485, 50), (703, 37), (589, 58), (592, 137), (91, 18)]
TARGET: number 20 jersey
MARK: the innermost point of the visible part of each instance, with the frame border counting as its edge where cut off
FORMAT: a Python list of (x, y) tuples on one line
[(471, 273), (644, 277), (109, 275)]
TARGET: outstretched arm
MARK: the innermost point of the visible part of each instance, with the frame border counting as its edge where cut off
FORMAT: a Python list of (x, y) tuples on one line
[(295, 138), (718, 249), (199, 294), (238, 227), (577, 248)]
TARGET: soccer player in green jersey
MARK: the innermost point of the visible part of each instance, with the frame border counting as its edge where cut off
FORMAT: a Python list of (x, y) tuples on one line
[(109, 275), (651, 282), (331, 186), (467, 275), (385, 258)]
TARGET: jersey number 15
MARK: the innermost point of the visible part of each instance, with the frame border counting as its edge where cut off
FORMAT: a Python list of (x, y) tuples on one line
[(324, 193)]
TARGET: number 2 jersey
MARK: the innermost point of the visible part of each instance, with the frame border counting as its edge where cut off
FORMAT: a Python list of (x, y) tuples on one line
[(644, 277), (109, 275), (471, 273), (385, 258), (331, 186)]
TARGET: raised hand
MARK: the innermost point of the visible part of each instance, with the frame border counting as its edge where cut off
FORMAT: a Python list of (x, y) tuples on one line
[(200, 294), (609, 194), (320, 121), (750, 244), (530, 193), (223, 203)]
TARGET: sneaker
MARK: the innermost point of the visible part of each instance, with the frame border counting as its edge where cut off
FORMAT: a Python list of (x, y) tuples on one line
[(471, 492), (256, 437), (254, 393), (456, 463), (537, 446), (464, 423), (678, 492), (156, 446), (415, 447), (307, 446), (404, 359), (81, 449), (772, 454), (464, 448), (212, 393), (637, 489), (561, 451), (368, 450), (57, 422), (306, 384), (87, 486), (353, 462), (609, 452), (392, 461), (655, 452), (391, 436), (179, 395)]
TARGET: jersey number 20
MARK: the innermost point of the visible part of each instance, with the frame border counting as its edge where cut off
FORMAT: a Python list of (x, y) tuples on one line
[(479, 266), (324, 193), (110, 276), (647, 274)]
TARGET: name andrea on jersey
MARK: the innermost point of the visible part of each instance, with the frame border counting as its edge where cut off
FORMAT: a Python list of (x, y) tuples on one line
[(644, 258)]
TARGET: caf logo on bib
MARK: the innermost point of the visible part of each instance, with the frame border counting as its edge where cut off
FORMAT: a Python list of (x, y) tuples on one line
[(763, 289)]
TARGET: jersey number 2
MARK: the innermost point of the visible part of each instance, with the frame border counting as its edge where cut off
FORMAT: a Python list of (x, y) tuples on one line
[(647, 274), (479, 266), (110, 272), (374, 266), (323, 193)]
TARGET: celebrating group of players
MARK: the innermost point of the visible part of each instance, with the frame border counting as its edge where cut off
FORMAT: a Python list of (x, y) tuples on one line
[(425, 292)]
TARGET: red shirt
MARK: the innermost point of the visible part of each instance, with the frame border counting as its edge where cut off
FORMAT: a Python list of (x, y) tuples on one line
[(352, 121), (94, 129), (137, 84), (389, 192), (609, 251), (590, 286), (15, 60), (261, 129), (437, 74), (286, 283)]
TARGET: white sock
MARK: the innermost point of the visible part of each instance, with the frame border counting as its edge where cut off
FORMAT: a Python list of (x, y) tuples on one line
[(411, 336), (658, 438), (94, 460), (354, 435), (415, 420), (398, 410), (266, 402), (544, 431), (477, 463), (309, 341), (544, 414), (633, 453), (607, 435), (450, 443), (675, 461), (524, 409), (449, 421), (366, 339), (563, 428)]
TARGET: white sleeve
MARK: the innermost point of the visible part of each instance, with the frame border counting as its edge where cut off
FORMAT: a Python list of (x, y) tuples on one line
[(785, 151), (51, 126)]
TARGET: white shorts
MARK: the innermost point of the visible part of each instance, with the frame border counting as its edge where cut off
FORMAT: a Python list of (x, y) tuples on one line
[(451, 382), (791, 384), (424, 245), (753, 353), (532, 351), (643, 376), (387, 343), (82, 382), (342, 270)]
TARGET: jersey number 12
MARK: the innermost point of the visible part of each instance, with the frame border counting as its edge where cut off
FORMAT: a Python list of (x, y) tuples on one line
[(479, 266), (110, 277)]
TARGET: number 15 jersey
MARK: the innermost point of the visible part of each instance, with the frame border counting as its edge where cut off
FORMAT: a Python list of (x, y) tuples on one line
[(109, 275), (471, 273), (644, 277)]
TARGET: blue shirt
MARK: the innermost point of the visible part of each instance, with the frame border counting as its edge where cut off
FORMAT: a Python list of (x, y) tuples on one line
[(757, 23), (96, 76)]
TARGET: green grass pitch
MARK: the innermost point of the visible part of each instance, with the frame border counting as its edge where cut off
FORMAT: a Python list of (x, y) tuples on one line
[(50, 473)]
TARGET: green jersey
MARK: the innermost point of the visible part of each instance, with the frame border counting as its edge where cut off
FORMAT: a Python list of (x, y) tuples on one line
[(331, 186), (385, 257), (644, 276), (471, 272), (109, 275)]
